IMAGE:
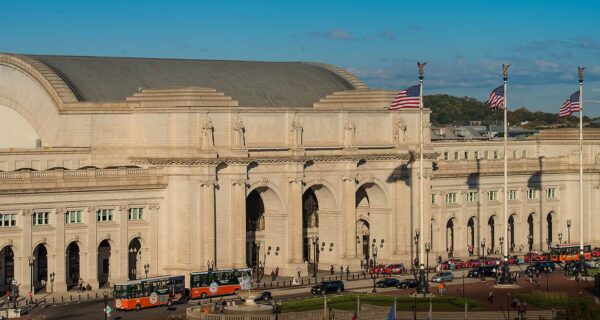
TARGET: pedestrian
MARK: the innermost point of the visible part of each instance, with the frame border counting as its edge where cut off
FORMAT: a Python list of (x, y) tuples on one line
[(491, 297), (341, 270), (273, 276), (331, 270), (298, 271), (277, 271), (347, 270)]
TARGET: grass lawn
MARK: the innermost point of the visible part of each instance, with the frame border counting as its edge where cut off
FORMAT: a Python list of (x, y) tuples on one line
[(549, 299), (348, 302)]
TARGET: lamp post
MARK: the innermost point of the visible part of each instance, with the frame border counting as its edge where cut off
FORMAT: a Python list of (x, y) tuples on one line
[(417, 237), (146, 269), (501, 246), (315, 243), (530, 238), (427, 249), (374, 254), (257, 244), (548, 242), (483, 250), (560, 238), (52, 274), (569, 231), (105, 305), (31, 263)]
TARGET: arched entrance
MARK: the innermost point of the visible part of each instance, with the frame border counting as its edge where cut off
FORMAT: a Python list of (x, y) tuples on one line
[(530, 235), (7, 268), (371, 203), (492, 227), (511, 233), (104, 252), (549, 229), (134, 252), (450, 237), (255, 227), (310, 222), (40, 268), (363, 229), (471, 235), (72, 265)]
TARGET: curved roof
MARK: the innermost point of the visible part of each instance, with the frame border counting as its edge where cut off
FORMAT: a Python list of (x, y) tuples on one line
[(252, 84)]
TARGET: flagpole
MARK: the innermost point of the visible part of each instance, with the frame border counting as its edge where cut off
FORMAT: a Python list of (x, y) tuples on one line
[(422, 280), (581, 257), (505, 273)]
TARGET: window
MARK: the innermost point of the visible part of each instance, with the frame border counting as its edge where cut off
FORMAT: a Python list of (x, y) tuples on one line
[(451, 197), (445, 155), (477, 155), (472, 196), (73, 216), (135, 214), (551, 193), (512, 194), (105, 215), (514, 154), (432, 198), (524, 154), (492, 195), (40, 218), (467, 155), (486, 154), (531, 194), (496, 154), (456, 155), (8, 220)]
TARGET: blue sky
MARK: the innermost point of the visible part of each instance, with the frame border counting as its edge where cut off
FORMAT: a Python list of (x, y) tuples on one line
[(465, 42)]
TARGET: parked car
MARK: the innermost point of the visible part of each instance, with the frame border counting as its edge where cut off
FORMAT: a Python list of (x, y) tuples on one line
[(458, 263), (387, 282), (264, 296), (596, 252), (487, 271), (397, 268), (473, 263), (444, 276), (377, 269), (407, 283), (541, 267), (334, 286)]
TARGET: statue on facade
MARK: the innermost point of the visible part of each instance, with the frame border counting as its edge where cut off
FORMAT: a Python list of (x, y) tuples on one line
[(238, 134), (426, 131), (350, 129), (296, 130), (399, 130), (208, 142), (260, 224), (313, 220)]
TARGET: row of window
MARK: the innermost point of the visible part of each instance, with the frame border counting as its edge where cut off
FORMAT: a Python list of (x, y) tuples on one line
[(472, 196), (40, 218), (466, 155)]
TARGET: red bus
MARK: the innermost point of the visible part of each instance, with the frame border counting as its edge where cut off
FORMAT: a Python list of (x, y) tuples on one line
[(569, 252), (149, 292), (217, 282)]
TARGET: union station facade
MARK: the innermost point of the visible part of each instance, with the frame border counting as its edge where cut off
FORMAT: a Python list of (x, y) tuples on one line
[(143, 167)]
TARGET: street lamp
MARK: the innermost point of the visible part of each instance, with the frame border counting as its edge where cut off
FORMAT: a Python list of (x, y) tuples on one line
[(374, 249), (501, 245), (258, 277), (417, 237), (31, 263), (530, 238), (315, 243), (483, 250), (560, 238), (146, 269), (569, 231), (427, 249), (105, 294)]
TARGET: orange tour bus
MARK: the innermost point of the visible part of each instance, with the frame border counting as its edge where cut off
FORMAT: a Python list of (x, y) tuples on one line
[(569, 252), (149, 292), (218, 282)]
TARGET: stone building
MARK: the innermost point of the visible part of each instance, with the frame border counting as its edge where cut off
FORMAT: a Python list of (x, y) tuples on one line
[(117, 168)]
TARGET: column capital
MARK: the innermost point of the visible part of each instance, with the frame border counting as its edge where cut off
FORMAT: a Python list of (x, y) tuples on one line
[(154, 206), (92, 209), (240, 182), (296, 180), (351, 178), (27, 212), (208, 183), (366, 179), (60, 210), (123, 207)]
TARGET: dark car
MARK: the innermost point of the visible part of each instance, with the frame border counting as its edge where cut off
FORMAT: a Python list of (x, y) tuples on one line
[(541, 267), (265, 296), (387, 282), (407, 283), (328, 287), (487, 271)]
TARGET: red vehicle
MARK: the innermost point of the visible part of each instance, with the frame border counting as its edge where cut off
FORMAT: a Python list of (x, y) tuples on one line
[(397, 268), (596, 253), (149, 292), (458, 263), (473, 263), (217, 283), (377, 269), (536, 257)]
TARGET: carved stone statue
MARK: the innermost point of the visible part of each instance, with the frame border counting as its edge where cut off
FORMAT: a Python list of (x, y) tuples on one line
[(296, 130), (208, 142), (260, 224), (420, 67), (505, 70), (313, 220), (426, 132), (350, 132), (238, 134), (399, 130)]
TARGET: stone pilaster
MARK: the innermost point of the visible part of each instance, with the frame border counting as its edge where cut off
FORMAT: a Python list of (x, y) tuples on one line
[(88, 259), (57, 264), (122, 253), (295, 239), (26, 252), (208, 218), (349, 216), (154, 211), (238, 223)]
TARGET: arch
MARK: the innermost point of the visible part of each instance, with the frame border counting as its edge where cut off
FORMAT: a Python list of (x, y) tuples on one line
[(269, 195), (72, 268), (104, 255), (40, 267), (375, 194), (15, 130), (450, 237), (471, 235), (531, 229), (492, 228), (363, 228), (325, 196), (7, 264), (310, 222), (134, 250), (549, 227), (260, 202)]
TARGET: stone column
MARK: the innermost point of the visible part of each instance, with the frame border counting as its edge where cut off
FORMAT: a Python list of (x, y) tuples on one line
[(153, 239), (88, 263), (59, 259), (26, 252), (349, 217), (208, 220), (294, 237), (238, 223), (123, 244)]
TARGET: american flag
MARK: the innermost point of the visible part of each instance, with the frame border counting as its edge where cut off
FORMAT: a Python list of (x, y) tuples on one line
[(496, 99), (570, 105), (407, 98)]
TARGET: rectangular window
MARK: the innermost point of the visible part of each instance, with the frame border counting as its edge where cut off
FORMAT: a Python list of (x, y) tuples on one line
[(512, 194), (446, 155), (531, 194), (551, 193), (467, 155), (73, 216), (496, 154), (492, 195), (451, 197), (8, 220), (472, 196), (105, 215), (477, 155), (486, 154), (514, 152), (40, 218), (432, 198), (456, 155), (135, 214)]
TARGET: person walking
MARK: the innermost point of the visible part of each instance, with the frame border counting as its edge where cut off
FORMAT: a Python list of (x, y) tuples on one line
[(331, 270), (341, 270), (347, 271), (298, 271), (491, 297)]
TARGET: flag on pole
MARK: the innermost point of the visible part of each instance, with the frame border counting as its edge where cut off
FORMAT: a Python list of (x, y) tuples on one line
[(407, 98), (496, 99), (570, 105)]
